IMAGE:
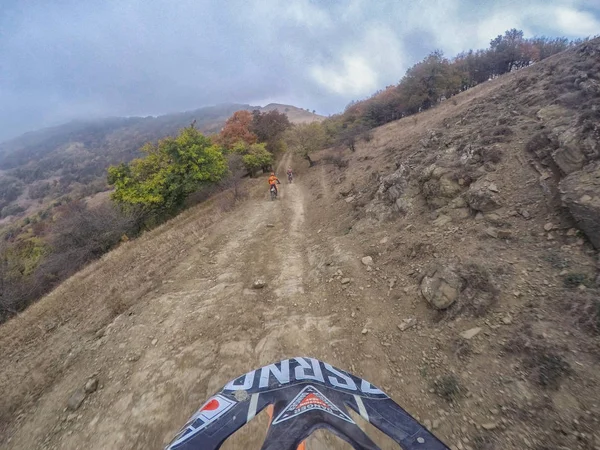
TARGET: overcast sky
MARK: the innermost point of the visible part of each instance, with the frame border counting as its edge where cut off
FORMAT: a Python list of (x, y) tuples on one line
[(67, 59)]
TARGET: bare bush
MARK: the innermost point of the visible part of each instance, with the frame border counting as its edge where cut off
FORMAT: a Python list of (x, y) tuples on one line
[(540, 144), (336, 160), (226, 202), (448, 387), (116, 303), (479, 294), (542, 363), (491, 154), (584, 307), (79, 236), (367, 136), (546, 367), (237, 171)]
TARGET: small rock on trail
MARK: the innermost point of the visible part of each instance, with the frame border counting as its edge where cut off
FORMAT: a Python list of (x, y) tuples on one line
[(259, 284), (367, 260), (91, 385), (470, 334), (407, 323), (345, 280), (76, 399)]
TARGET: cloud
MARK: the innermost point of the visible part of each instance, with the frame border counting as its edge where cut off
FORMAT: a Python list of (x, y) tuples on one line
[(354, 76), (574, 22), (70, 59), (362, 67)]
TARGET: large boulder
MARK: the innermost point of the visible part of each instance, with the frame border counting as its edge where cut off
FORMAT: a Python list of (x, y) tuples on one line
[(392, 186), (391, 195), (439, 186), (580, 192), (483, 196), (569, 159), (441, 287), (570, 156)]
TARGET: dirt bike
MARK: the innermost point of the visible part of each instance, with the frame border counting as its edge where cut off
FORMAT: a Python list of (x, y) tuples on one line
[(290, 177), (273, 191), (302, 395)]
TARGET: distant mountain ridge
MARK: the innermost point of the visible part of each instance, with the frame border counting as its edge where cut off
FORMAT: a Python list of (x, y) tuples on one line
[(71, 159), (125, 132)]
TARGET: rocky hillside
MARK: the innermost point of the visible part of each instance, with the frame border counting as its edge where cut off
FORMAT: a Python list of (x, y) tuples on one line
[(485, 212)]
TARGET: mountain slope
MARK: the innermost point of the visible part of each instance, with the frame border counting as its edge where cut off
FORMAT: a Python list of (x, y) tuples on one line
[(454, 205)]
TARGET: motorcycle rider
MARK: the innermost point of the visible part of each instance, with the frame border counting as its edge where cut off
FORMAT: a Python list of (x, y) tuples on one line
[(274, 181), (290, 174)]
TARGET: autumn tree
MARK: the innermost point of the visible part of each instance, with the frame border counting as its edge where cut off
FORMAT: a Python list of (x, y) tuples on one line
[(171, 170), (435, 78), (512, 51), (237, 128), (269, 126), (549, 46), (305, 139)]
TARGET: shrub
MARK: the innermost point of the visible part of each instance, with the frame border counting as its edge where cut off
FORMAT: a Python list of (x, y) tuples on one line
[(256, 158), (11, 210), (336, 160), (172, 170), (82, 234), (584, 307), (574, 279), (540, 144), (547, 367), (448, 387)]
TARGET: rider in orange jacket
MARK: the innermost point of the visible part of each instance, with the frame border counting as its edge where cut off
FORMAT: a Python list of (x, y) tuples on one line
[(273, 181)]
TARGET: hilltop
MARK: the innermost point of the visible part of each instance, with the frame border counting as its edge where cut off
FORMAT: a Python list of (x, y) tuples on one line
[(295, 115), (450, 259)]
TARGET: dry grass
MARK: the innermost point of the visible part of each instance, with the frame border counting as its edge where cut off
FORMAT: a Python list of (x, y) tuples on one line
[(89, 300)]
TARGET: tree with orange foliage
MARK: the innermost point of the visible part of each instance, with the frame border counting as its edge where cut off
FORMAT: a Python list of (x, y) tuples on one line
[(236, 129)]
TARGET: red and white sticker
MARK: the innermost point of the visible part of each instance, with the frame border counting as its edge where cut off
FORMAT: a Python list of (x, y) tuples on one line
[(214, 408), (208, 413), (310, 399)]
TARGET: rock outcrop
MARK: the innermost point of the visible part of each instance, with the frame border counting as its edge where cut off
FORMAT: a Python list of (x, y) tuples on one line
[(580, 192)]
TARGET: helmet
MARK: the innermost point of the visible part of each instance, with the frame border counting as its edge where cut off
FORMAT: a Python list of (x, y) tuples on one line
[(272, 174), (300, 403)]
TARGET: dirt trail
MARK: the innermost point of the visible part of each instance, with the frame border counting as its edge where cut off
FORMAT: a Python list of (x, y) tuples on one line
[(205, 325)]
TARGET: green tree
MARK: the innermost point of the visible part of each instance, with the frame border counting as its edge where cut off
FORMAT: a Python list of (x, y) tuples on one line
[(305, 139), (257, 157), (427, 82), (172, 169)]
